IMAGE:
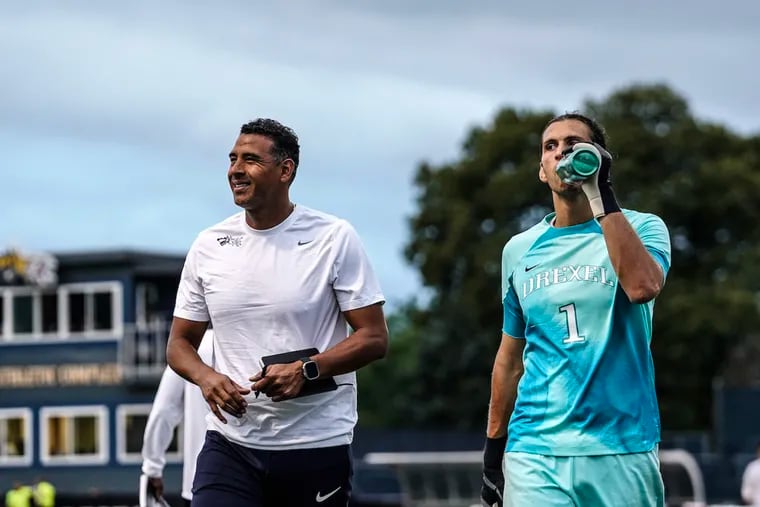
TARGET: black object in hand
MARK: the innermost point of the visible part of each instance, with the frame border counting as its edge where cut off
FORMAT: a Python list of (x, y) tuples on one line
[(321, 385)]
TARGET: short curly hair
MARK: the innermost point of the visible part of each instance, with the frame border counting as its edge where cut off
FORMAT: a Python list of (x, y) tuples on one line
[(284, 139)]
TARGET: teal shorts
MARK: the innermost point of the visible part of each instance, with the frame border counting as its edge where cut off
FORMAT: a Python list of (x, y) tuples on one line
[(615, 480)]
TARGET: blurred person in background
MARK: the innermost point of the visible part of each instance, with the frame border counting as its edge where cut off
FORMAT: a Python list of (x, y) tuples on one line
[(176, 400), (19, 496), (751, 480), (573, 399), (44, 493), (276, 278)]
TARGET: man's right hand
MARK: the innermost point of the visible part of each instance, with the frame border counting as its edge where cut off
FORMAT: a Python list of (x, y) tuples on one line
[(492, 488), (156, 487), (221, 393)]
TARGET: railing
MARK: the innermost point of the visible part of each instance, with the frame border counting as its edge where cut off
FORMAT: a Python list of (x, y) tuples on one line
[(142, 350), (435, 479)]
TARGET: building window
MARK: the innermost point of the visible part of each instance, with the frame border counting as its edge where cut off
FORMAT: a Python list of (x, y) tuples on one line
[(82, 310), (49, 312), (76, 313), (2, 315), (102, 312), (74, 435), (15, 436), (147, 304), (130, 429), (23, 314), (93, 308)]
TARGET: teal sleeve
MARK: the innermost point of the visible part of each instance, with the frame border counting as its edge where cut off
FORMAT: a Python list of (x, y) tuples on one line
[(656, 239), (513, 323)]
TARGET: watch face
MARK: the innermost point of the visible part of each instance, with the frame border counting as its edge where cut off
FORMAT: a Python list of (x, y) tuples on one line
[(310, 370)]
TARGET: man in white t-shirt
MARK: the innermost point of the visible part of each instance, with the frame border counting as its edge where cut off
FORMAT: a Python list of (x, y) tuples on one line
[(175, 400), (751, 480), (276, 278)]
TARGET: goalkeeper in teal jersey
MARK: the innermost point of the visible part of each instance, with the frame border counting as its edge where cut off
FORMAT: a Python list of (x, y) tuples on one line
[(573, 400)]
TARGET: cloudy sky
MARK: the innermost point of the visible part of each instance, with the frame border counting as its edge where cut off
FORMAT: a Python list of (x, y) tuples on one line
[(116, 117)]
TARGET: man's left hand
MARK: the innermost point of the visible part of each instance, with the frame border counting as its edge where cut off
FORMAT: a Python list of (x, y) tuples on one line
[(279, 381), (493, 476), (598, 187), (492, 487)]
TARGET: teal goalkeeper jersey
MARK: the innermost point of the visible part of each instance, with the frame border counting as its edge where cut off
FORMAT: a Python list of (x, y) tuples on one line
[(588, 385)]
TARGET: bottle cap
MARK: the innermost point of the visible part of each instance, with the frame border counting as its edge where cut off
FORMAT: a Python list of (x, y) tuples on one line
[(585, 160)]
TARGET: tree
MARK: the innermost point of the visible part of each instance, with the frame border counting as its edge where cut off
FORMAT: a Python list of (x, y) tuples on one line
[(385, 387), (700, 177)]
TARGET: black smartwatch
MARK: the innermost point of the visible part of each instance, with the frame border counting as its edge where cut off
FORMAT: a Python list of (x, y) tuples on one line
[(309, 368)]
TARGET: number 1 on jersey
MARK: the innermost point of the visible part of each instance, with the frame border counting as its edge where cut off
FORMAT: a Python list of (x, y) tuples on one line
[(572, 324)]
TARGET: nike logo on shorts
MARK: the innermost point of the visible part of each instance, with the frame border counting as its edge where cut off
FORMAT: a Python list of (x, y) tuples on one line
[(321, 498)]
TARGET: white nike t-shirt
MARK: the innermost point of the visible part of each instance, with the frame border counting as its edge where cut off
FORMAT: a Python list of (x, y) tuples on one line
[(273, 291), (751, 483)]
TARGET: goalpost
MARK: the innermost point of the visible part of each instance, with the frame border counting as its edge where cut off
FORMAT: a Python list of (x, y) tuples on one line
[(435, 479), (685, 461), (452, 479)]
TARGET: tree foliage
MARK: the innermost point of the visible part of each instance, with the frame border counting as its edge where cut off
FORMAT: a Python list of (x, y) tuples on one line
[(700, 177)]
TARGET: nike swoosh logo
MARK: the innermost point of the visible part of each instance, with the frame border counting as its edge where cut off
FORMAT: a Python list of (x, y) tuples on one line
[(321, 498), (528, 268), (302, 243)]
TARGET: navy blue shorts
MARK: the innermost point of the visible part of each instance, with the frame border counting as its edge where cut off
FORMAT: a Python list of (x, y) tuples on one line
[(231, 475)]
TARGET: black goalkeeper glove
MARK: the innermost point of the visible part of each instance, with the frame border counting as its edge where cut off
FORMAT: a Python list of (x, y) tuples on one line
[(493, 477), (598, 187)]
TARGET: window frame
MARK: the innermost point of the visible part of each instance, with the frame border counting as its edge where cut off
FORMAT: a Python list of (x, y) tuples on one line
[(26, 415), (100, 412), (124, 457), (89, 289)]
